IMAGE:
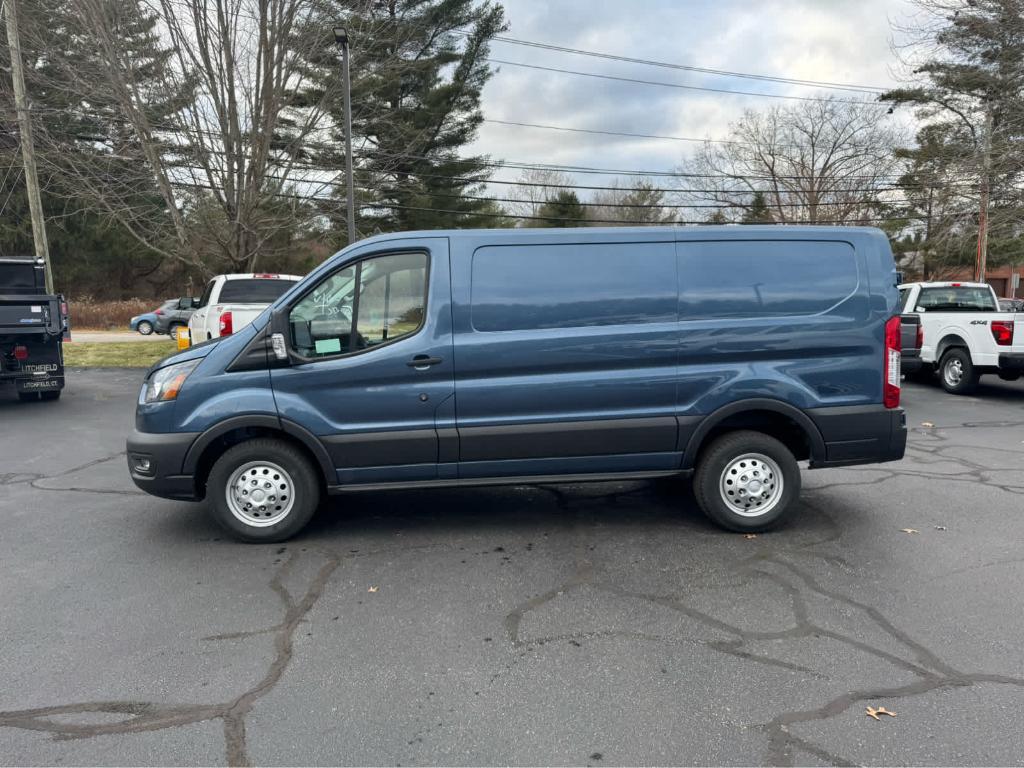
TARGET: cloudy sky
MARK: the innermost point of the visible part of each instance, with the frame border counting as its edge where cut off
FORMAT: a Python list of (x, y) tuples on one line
[(841, 41)]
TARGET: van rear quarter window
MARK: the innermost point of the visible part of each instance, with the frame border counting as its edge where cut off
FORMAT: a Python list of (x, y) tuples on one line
[(747, 278), (572, 285)]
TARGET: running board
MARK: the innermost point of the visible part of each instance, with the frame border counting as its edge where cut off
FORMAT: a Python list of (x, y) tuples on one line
[(469, 482)]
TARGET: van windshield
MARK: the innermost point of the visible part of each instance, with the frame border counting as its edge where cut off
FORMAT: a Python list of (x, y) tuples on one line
[(957, 299)]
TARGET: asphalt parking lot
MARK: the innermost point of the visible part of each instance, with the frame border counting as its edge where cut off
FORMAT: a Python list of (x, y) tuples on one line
[(586, 624)]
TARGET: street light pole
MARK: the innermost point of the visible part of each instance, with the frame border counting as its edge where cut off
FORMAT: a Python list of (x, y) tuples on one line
[(341, 38)]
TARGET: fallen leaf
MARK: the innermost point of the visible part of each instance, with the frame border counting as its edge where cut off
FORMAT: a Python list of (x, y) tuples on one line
[(910, 530), (372, 589), (874, 713), (940, 527), (749, 535), (927, 424)]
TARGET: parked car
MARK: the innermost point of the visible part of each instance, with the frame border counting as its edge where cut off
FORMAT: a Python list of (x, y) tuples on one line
[(147, 321), (231, 302), (435, 359), (175, 314), (33, 326), (965, 334), (1011, 305)]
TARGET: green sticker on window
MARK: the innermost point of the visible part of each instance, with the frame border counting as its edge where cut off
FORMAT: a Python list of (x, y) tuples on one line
[(327, 346)]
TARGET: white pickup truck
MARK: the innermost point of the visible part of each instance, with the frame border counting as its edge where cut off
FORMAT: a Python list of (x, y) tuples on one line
[(231, 301), (965, 334)]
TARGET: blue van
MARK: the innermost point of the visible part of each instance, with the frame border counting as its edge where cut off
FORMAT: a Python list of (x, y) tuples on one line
[(477, 357)]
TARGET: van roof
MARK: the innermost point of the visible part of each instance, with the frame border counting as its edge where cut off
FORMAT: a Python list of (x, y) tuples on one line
[(720, 232)]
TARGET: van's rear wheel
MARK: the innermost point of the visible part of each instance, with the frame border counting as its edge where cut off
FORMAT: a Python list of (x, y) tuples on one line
[(263, 490), (957, 372), (747, 481)]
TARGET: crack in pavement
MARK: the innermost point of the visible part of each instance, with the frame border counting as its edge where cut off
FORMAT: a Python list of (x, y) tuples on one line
[(932, 671), (153, 716)]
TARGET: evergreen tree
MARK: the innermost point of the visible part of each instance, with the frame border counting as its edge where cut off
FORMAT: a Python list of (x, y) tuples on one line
[(716, 218), (418, 68), (757, 212), (971, 78), (83, 147), (561, 210)]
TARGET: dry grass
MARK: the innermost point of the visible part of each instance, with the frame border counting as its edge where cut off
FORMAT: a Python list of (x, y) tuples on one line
[(116, 354), (87, 314)]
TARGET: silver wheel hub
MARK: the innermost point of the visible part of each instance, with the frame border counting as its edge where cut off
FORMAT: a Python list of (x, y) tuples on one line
[(751, 485), (954, 371), (260, 493)]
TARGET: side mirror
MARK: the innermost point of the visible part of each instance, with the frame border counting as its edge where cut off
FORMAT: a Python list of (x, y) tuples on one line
[(278, 333), (195, 302)]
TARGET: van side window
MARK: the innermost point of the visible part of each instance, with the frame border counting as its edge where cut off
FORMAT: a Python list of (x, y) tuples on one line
[(392, 297), (531, 287), (365, 304), (750, 278)]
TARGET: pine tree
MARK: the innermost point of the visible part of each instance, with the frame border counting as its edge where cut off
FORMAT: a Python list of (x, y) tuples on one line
[(561, 210), (971, 75), (418, 68), (757, 212)]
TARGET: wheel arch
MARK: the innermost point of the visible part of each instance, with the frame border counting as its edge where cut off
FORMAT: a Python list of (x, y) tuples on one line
[(948, 341), (783, 421), (208, 447)]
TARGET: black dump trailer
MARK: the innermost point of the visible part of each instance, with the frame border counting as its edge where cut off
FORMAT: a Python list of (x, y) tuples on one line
[(33, 326)]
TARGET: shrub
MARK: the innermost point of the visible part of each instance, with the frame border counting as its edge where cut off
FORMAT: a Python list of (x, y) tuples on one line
[(106, 315)]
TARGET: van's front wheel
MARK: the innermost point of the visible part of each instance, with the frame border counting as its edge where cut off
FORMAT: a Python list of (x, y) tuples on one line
[(747, 481), (263, 490)]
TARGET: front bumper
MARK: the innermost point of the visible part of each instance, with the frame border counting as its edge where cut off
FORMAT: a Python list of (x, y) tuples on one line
[(860, 434), (1013, 363), (155, 462)]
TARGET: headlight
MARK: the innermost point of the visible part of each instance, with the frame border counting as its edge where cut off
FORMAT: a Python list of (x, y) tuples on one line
[(165, 383)]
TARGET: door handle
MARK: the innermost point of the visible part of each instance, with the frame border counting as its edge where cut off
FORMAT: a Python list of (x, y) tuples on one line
[(422, 362)]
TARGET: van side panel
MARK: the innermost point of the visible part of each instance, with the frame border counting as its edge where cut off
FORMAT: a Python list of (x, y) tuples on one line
[(565, 349), (780, 318)]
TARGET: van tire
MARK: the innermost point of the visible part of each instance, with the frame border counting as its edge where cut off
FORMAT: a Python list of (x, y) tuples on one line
[(273, 464), (957, 373), (721, 465)]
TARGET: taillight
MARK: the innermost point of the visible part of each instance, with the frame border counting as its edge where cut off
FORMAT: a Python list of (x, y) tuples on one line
[(920, 336), (64, 309), (1002, 332), (891, 384), (226, 324), (20, 352), (159, 312)]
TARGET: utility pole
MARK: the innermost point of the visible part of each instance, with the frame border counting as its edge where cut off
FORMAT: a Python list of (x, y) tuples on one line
[(341, 38), (986, 173), (35, 204)]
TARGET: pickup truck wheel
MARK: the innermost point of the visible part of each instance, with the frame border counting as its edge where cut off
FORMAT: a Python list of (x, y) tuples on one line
[(746, 481), (263, 490), (144, 327), (957, 372)]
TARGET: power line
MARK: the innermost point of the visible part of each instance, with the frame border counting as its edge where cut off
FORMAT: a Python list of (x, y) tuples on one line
[(690, 68), (486, 214), (664, 84)]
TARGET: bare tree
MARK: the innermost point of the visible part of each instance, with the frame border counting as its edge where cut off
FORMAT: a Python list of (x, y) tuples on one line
[(635, 202), (826, 161), (223, 134), (534, 188)]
